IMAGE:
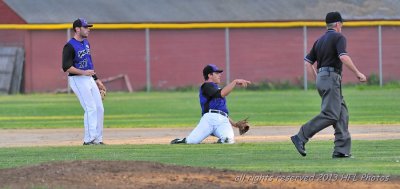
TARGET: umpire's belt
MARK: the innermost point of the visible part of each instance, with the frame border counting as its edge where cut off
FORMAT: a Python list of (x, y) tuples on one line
[(329, 69), (218, 112)]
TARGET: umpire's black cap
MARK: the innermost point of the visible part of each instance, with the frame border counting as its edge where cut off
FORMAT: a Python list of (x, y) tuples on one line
[(333, 17), (211, 68), (80, 22)]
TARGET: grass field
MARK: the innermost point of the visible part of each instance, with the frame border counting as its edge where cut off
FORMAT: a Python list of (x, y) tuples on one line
[(181, 109), (373, 157), (177, 109)]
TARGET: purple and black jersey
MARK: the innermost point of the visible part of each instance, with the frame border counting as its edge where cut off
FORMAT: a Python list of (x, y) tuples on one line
[(210, 98), (82, 59), (77, 54)]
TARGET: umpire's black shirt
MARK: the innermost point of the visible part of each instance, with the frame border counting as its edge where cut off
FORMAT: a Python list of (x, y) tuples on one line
[(327, 50)]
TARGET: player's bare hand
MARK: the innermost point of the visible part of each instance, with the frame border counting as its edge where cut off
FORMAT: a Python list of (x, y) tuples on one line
[(361, 77), (88, 72), (242, 82), (101, 85)]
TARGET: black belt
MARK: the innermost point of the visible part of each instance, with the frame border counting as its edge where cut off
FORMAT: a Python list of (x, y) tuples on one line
[(329, 69), (219, 112)]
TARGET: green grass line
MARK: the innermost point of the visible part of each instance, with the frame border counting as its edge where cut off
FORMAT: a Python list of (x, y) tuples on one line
[(367, 105), (372, 157)]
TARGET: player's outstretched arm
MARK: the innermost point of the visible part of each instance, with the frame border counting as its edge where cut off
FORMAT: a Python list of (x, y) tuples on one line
[(228, 88)]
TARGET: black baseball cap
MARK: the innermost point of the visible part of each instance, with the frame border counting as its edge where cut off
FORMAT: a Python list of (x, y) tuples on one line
[(211, 68), (333, 17), (80, 22)]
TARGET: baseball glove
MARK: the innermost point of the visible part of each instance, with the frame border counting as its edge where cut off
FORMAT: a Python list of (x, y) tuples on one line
[(243, 126)]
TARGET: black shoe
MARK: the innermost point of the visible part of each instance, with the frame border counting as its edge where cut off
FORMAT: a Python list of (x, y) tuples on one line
[(299, 145), (101, 143), (88, 143), (178, 141), (225, 141), (341, 155)]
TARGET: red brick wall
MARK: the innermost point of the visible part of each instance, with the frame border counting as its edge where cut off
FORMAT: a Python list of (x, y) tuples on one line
[(43, 61), (391, 55), (362, 46), (178, 56), (267, 54), (117, 52)]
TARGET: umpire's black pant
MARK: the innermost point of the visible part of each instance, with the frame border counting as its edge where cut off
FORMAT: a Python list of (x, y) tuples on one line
[(333, 112)]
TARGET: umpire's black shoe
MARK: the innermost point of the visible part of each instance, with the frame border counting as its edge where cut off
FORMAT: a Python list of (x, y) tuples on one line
[(299, 145), (341, 155), (178, 141)]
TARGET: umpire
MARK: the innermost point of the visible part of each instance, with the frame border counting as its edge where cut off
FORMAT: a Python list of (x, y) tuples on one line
[(329, 51)]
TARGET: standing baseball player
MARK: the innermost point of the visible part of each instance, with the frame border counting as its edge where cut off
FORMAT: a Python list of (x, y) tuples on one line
[(82, 78), (329, 51), (215, 115)]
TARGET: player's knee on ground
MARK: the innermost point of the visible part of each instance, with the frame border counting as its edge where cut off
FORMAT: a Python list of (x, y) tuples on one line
[(190, 140)]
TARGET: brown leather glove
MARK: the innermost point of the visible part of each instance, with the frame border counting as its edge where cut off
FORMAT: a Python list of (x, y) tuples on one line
[(243, 126)]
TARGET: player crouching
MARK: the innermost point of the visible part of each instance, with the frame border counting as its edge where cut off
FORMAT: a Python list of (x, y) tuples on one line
[(215, 120)]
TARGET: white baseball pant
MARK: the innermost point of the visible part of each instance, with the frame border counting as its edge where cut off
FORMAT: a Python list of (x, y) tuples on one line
[(212, 124), (88, 93)]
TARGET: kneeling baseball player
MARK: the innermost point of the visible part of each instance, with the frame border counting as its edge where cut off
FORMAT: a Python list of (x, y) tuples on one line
[(215, 119)]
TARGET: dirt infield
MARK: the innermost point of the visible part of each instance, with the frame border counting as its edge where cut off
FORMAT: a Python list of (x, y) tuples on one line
[(65, 137), (137, 174)]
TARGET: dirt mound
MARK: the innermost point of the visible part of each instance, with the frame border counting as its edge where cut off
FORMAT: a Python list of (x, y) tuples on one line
[(137, 174)]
